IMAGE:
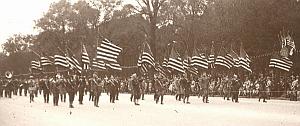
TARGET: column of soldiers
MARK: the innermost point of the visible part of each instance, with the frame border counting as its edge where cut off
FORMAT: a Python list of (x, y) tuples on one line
[(60, 86)]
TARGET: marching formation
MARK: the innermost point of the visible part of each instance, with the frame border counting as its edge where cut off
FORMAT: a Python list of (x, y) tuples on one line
[(182, 87)]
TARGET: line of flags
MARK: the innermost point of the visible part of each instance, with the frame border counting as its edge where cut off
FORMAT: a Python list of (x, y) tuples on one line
[(106, 58), (107, 55)]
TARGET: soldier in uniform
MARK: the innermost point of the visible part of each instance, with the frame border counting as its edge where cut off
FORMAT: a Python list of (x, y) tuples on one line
[(136, 89), (1, 87), (294, 87), (91, 90), (82, 83), (226, 88), (46, 89), (32, 88), (55, 89), (235, 89), (205, 87), (118, 87), (112, 86), (63, 90), (262, 90), (98, 85), (71, 89), (186, 84), (158, 87), (8, 88)]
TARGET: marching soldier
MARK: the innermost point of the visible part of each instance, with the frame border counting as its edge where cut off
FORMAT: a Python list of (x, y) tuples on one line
[(226, 88), (118, 88), (55, 89), (71, 89), (82, 84), (8, 88), (158, 87), (205, 87), (62, 89), (136, 89), (112, 83), (97, 91), (186, 84), (46, 89), (262, 90), (32, 88), (1, 87), (235, 89), (294, 88)]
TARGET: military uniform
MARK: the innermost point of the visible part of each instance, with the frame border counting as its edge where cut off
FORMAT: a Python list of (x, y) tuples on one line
[(46, 89), (205, 86), (55, 91), (71, 89), (235, 90), (81, 86), (97, 87)]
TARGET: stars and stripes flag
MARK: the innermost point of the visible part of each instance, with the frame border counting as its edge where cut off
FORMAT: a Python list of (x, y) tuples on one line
[(60, 60), (98, 64), (244, 60), (109, 52), (283, 63), (35, 65), (222, 59), (85, 58), (45, 61), (141, 67), (199, 61), (175, 61), (73, 62), (146, 60)]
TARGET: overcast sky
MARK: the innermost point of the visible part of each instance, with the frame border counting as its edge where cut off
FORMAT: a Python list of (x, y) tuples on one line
[(17, 16)]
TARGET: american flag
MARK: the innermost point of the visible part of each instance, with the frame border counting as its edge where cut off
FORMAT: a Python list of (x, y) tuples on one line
[(283, 63), (60, 60), (109, 52), (223, 59), (175, 62), (85, 58), (199, 60), (97, 64), (244, 60), (36, 65)]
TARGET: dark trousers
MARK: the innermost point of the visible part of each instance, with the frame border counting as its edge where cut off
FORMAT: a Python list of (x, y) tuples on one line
[(112, 97), (161, 96), (71, 98), (235, 96), (25, 92), (8, 93), (55, 99), (96, 100), (205, 96), (20, 91), (91, 96), (36, 93), (1, 92), (81, 93), (179, 97), (46, 97), (131, 97), (117, 95), (262, 95), (31, 97), (63, 97)]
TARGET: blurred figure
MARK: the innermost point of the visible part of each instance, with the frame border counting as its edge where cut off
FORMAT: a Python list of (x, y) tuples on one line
[(32, 88)]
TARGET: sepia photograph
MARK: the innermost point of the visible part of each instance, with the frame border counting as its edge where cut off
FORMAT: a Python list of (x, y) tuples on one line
[(149, 62)]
